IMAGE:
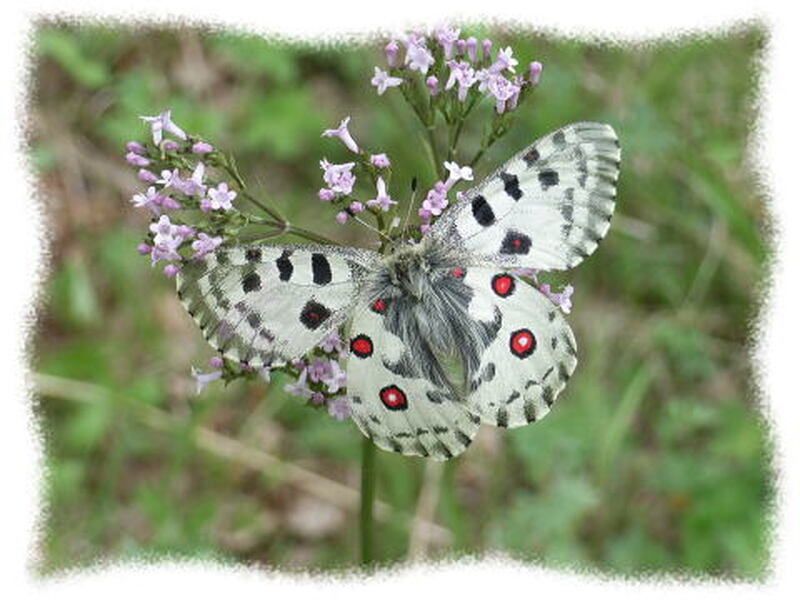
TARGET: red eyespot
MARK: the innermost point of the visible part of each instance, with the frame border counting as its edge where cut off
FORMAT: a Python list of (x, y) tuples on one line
[(522, 343), (459, 273), (361, 346), (379, 306), (393, 398), (503, 285)]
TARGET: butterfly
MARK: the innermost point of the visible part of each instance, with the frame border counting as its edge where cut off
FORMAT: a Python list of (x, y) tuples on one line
[(443, 336)]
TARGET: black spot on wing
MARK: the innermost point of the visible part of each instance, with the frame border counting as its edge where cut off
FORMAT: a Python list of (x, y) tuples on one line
[(314, 314), (285, 266), (559, 141), (511, 185), (253, 255), (482, 212), (531, 156), (251, 282), (502, 417), (320, 268), (548, 178), (515, 243)]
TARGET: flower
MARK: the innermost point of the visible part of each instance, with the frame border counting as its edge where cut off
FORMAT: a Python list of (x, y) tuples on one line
[(338, 177), (343, 134), (326, 195), (135, 160), (339, 408), (143, 248), (135, 147), (299, 387), (337, 378), (534, 72), (356, 207), (502, 89), (392, 48), (170, 145), (505, 61), (194, 185), (331, 343), (433, 85), (487, 50), (563, 299), (435, 202), (380, 160), (161, 123), (319, 369), (383, 81), (383, 200), (203, 379), (456, 174), (202, 148), (166, 240), (447, 36), (472, 49), (418, 57), (205, 244), (147, 176), (150, 199), (219, 198), (171, 179), (171, 270), (462, 73), (341, 217)]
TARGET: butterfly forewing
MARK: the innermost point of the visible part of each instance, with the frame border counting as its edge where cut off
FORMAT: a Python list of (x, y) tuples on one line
[(265, 305), (393, 403), (547, 208)]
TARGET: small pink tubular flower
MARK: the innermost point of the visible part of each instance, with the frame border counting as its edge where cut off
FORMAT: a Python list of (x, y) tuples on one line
[(136, 160), (462, 73), (219, 198), (339, 408), (418, 57), (171, 270), (382, 200), (446, 36), (319, 369), (535, 72), (341, 217), (502, 89), (147, 176), (136, 147), (203, 379), (326, 195), (505, 61), (486, 45), (343, 134), (193, 186), (456, 174), (205, 244), (299, 387), (383, 81), (433, 85), (472, 49), (563, 299), (338, 177), (435, 202), (331, 343), (337, 378), (392, 48), (202, 148), (161, 123), (380, 160), (150, 200)]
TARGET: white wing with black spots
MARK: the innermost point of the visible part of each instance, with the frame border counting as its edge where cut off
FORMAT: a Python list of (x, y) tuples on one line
[(266, 305), (393, 404), (547, 208), (522, 372)]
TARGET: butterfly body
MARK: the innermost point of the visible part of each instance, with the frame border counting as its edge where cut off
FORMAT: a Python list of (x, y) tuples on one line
[(443, 334)]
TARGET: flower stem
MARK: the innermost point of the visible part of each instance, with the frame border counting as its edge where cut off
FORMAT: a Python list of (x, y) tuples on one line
[(367, 499)]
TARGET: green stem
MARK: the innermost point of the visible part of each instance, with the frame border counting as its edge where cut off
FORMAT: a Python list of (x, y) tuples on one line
[(270, 211), (367, 500)]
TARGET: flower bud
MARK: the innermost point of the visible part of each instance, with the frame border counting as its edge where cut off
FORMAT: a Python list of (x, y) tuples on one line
[(487, 50), (202, 148), (147, 176), (137, 161), (534, 72), (472, 49), (136, 148), (391, 53), (433, 85), (171, 270), (170, 145)]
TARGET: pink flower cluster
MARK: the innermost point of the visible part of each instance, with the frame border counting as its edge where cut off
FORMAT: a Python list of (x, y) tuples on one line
[(340, 179), (467, 67), (172, 190), (436, 199)]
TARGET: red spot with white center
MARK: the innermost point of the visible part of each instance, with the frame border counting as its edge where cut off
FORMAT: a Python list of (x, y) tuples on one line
[(393, 398), (503, 285), (459, 273), (522, 343), (361, 346), (379, 306)]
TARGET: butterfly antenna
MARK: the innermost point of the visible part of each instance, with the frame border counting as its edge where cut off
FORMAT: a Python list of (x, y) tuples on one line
[(372, 228), (410, 205)]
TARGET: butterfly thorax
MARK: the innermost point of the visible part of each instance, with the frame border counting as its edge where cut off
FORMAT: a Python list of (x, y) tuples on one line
[(420, 291)]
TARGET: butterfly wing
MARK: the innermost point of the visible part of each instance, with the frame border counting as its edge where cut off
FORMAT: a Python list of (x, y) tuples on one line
[(265, 305), (393, 403), (523, 370), (547, 208)]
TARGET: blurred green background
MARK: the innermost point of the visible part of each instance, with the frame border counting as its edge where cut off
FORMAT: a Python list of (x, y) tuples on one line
[(656, 458)]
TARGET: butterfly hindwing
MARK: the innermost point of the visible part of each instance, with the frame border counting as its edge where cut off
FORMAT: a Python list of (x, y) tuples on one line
[(393, 403), (522, 372), (547, 208), (265, 305)]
